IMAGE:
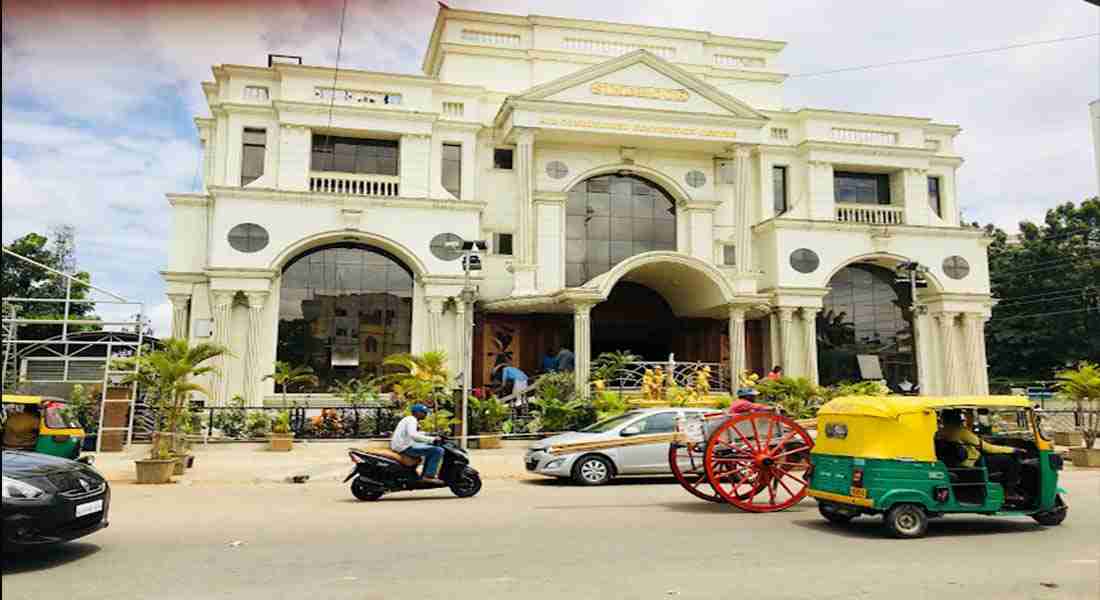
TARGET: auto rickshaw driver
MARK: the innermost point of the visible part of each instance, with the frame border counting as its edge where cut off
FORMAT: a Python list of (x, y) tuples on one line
[(21, 428), (998, 459)]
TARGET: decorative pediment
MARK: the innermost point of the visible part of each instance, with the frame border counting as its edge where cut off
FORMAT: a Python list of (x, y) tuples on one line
[(641, 80)]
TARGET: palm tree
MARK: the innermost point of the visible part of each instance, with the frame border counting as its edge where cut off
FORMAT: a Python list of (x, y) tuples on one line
[(286, 375), (167, 373), (1082, 385), (425, 376)]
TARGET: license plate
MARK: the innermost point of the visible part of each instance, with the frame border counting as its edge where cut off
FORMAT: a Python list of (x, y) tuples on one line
[(89, 507), (858, 492)]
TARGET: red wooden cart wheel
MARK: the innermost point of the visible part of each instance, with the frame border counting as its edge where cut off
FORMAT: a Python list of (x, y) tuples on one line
[(686, 463), (757, 461)]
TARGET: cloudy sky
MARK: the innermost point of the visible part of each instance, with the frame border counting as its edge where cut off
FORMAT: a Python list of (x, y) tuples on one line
[(98, 97)]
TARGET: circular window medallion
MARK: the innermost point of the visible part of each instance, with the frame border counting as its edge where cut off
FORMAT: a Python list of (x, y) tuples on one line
[(956, 267), (695, 179), (804, 260), (248, 237), (556, 169)]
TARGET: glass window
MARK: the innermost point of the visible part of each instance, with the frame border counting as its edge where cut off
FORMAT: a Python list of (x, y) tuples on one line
[(861, 188), (502, 158), (354, 155), (342, 310), (729, 255), (248, 237), (452, 169), (659, 423), (502, 244), (934, 195), (254, 142), (779, 189)]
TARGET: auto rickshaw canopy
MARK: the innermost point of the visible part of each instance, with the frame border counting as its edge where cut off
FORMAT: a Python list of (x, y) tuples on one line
[(23, 399), (892, 427)]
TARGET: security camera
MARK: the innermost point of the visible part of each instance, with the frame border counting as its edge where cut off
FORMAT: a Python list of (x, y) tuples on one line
[(475, 245)]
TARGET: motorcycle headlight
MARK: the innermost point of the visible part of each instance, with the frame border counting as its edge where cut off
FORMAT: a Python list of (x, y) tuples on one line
[(19, 490)]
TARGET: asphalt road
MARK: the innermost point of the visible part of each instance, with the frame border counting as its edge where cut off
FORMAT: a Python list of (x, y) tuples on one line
[(525, 539)]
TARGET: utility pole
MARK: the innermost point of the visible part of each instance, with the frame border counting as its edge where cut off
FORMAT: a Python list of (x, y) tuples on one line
[(471, 261)]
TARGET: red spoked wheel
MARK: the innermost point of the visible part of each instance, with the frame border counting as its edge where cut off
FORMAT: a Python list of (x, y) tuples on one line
[(686, 462), (757, 462)]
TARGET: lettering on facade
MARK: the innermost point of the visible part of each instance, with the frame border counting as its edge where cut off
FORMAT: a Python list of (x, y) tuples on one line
[(638, 127), (638, 91)]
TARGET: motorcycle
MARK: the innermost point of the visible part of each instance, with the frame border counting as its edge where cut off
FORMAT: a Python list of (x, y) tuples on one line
[(381, 470)]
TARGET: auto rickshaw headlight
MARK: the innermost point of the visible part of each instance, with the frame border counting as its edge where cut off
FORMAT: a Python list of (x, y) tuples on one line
[(19, 490)]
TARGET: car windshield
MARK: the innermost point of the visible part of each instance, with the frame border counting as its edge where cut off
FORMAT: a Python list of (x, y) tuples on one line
[(609, 424)]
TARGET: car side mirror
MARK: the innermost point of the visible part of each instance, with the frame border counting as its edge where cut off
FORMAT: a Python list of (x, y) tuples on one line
[(631, 430)]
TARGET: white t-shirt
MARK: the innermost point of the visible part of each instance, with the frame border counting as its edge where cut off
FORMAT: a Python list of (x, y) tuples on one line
[(406, 434)]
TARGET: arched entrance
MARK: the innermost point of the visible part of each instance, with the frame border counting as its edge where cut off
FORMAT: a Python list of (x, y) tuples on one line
[(610, 218), (867, 312), (635, 318), (342, 309)]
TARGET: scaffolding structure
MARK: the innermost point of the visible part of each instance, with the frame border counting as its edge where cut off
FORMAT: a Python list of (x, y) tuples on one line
[(65, 358)]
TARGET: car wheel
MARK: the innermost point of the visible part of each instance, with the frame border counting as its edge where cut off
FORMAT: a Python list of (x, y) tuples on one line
[(1055, 516), (832, 515), (906, 521), (592, 470), (365, 492)]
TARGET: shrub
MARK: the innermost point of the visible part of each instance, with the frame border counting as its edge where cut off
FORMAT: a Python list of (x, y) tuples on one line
[(232, 421), (257, 424), (798, 397), (609, 404), (486, 414), (1082, 386)]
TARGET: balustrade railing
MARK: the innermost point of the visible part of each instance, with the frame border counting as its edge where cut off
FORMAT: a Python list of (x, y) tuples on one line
[(355, 184), (682, 374), (870, 214)]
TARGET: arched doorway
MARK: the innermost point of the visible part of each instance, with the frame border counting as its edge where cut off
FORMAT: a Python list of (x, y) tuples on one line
[(635, 318), (610, 218), (342, 309), (867, 312)]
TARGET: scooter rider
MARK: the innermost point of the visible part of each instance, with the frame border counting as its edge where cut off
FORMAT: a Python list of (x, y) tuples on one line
[(409, 441)]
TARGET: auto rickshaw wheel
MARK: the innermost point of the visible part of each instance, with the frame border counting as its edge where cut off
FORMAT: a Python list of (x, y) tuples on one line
[(1055, 516), (758, 461), (906, 521), (694, 478)]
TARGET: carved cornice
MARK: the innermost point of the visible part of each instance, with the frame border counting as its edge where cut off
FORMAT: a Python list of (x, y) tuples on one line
[(319, 109), (864, 149), (189, 199), (183, 276), (546, 197), (235, 273), (933, 231), (343, 201)]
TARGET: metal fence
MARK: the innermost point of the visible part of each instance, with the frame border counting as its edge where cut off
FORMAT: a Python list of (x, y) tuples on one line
[(682, 374), (315, 422), (1062, 420)]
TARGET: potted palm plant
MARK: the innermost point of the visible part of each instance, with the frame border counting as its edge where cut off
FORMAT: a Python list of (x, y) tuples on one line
[(166, 374), (488, 414), (281, 437), (1082, 386)]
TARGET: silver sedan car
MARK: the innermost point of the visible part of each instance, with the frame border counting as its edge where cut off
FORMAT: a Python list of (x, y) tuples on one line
[(600, 466)]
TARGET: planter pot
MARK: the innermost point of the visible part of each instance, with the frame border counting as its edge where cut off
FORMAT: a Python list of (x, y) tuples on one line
[(155, 470), (180, 466), (1085, 457), (280, 442), (489, 443), (1069, 438)]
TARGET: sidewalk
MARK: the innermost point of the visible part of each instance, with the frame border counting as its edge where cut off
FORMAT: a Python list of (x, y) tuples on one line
[(248, 462)]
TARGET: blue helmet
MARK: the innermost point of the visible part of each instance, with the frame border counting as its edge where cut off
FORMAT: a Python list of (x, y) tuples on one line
[(419, 408)]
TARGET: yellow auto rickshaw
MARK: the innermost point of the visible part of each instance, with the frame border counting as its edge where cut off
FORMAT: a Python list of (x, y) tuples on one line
[(57, 433), (910, 458)]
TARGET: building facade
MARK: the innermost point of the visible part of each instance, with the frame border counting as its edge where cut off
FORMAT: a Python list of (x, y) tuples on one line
[(641, 189)]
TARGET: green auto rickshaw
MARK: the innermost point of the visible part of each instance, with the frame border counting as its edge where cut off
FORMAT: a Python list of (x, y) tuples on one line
[(910, 458), (57, 434)]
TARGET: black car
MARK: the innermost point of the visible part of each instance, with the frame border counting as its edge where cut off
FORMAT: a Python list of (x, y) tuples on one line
[(48, 500)]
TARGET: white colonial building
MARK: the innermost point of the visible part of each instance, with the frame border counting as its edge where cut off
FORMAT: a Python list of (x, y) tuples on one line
[(641, 188)]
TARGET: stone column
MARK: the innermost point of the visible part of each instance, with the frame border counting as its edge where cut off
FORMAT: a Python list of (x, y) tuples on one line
[(223, 321), (949, 371), (435, 316), (774, 354), (974, 334), (742, 202), (922, 354), (524, 235), (809, 332), (786, 350), (737, 345), (253, 369), (582, 346), (181, 304)]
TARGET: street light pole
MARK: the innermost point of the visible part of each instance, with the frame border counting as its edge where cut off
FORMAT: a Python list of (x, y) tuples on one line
[(470, 262)]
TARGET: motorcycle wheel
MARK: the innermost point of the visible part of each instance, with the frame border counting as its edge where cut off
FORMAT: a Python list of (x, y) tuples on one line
[(467, 484), (367, 493)]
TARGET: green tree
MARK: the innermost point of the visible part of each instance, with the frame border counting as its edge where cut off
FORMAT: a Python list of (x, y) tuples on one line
[(286, 375), (1082, 385), (1048, 290), (422, 378), (20, 279)]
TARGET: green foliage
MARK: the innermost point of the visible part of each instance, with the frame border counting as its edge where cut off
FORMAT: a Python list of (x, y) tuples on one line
[(556, 414), (286, 375), (1054, 268), (232, 421), (609, 365), (166, 372), (281, 423), (860, 388), (257, 424), (1082, 386), (557, 386), (422, 378), (83, 407), (798, 397), (19, 279), (487, 415), (609, 404), (439, 421)]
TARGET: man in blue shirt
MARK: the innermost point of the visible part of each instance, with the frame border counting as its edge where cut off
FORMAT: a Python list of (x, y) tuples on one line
[(549, 361), (510, 375)]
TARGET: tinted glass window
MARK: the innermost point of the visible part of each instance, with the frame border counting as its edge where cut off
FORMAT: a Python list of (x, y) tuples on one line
[(658, 423), (779, 189), (861, 188), (452, 169), (611, 218), (252, 155), (934, 195), (502, 158), (342, 310), (354, 155)]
